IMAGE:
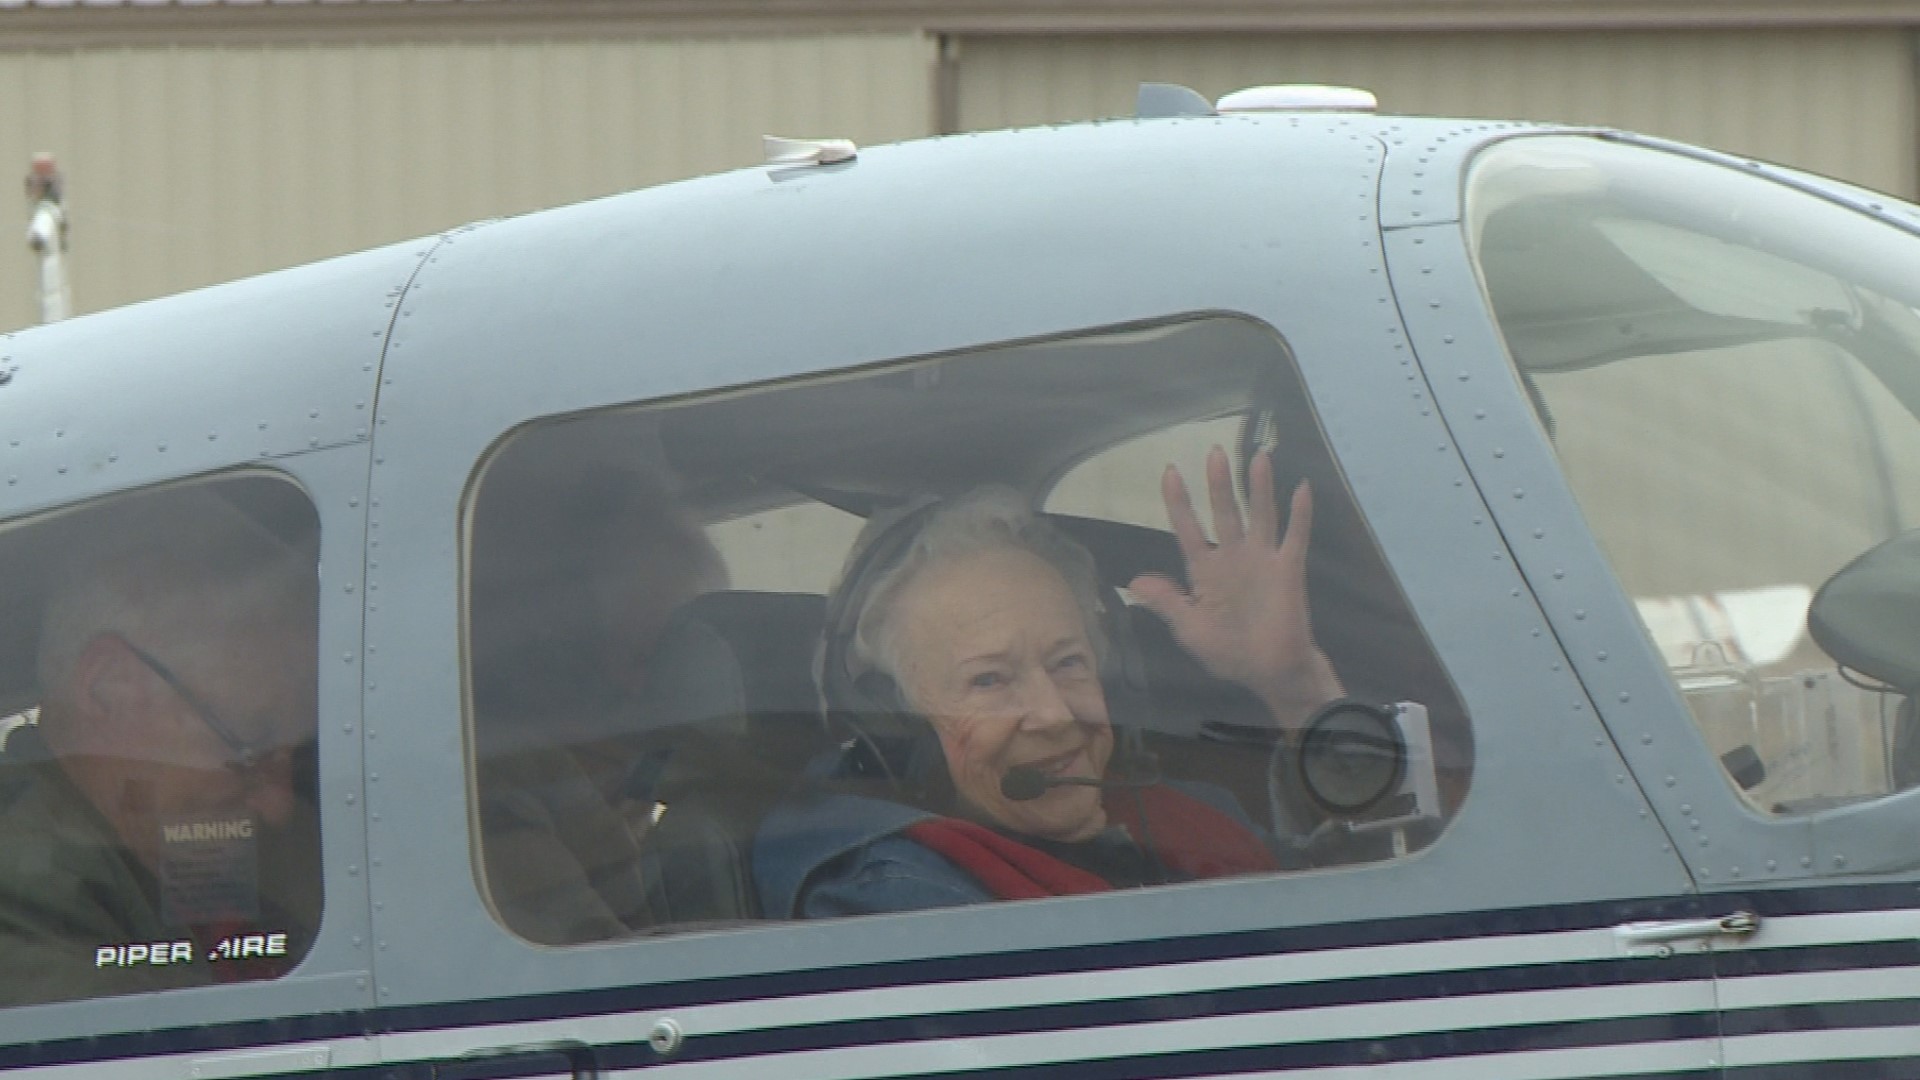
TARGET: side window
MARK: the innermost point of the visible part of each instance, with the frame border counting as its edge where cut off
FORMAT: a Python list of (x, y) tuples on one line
[(159, 821), (940, 632), (1737, 418)]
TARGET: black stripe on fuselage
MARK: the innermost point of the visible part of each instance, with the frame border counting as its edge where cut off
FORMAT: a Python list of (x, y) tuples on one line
[(1817, 900), (1381, 1050), (1156, 1008), (1823, 1016), (1514, 922), (1161, 1007), (1812, 958), (1130, 955), (1387, 1050), (871, 1031)]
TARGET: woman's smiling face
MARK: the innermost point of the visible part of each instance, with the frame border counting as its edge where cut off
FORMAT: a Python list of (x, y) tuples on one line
[(994, 652)]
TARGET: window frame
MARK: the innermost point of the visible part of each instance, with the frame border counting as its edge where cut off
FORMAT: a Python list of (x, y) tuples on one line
[(333, 979)]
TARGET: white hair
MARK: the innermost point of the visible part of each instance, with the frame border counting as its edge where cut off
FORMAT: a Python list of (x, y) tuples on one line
[(989, 518), (180, 573)]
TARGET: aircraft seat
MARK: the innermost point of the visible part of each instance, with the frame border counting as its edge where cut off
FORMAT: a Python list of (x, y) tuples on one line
[(733, 716)]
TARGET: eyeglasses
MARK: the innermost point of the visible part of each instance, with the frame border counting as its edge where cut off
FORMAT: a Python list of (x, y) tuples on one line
[(245, 755)]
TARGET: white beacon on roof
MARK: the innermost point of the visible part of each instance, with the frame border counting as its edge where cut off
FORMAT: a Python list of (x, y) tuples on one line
[(1298, 97)]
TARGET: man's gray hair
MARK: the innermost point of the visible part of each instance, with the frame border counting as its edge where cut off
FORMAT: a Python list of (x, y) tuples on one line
[(989, 518), (180, 571)]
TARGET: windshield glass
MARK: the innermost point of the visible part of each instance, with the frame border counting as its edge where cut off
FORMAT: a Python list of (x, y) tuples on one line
[(1729, 370)]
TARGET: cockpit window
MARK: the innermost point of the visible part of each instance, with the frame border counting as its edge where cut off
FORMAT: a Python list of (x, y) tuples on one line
[(1729, 370), (1035, 620), (159, 820)]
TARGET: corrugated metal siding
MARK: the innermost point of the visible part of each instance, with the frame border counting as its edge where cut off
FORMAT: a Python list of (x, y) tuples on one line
[(188, 166), (1836, 102)]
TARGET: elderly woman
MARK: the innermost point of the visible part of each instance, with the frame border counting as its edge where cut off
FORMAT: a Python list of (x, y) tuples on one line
[(978, 620)]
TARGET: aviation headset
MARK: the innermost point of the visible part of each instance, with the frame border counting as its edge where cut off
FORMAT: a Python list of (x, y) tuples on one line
[(890, 740)]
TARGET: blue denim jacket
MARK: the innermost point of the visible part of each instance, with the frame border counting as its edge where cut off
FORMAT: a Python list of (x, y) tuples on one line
[(843, 855), (830, 855)]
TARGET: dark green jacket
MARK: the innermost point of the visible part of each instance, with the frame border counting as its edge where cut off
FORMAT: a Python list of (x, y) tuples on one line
[(68, 889)]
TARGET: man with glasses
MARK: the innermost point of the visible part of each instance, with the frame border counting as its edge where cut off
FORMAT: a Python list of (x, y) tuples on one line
[(155, 827)]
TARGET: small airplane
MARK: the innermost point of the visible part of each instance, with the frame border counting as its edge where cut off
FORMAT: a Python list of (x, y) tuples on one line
[(421, 661)]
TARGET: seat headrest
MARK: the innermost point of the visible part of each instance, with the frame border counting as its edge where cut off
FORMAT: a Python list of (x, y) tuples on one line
[(731, 661)]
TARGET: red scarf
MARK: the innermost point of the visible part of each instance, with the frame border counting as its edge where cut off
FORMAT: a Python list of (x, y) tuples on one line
[(1189, 838)]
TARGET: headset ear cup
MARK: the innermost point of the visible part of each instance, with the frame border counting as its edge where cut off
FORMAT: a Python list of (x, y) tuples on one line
[(921, 761), (878, 693)]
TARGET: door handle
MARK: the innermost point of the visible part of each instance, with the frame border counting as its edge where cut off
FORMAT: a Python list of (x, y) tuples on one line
[(1659, 937)]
